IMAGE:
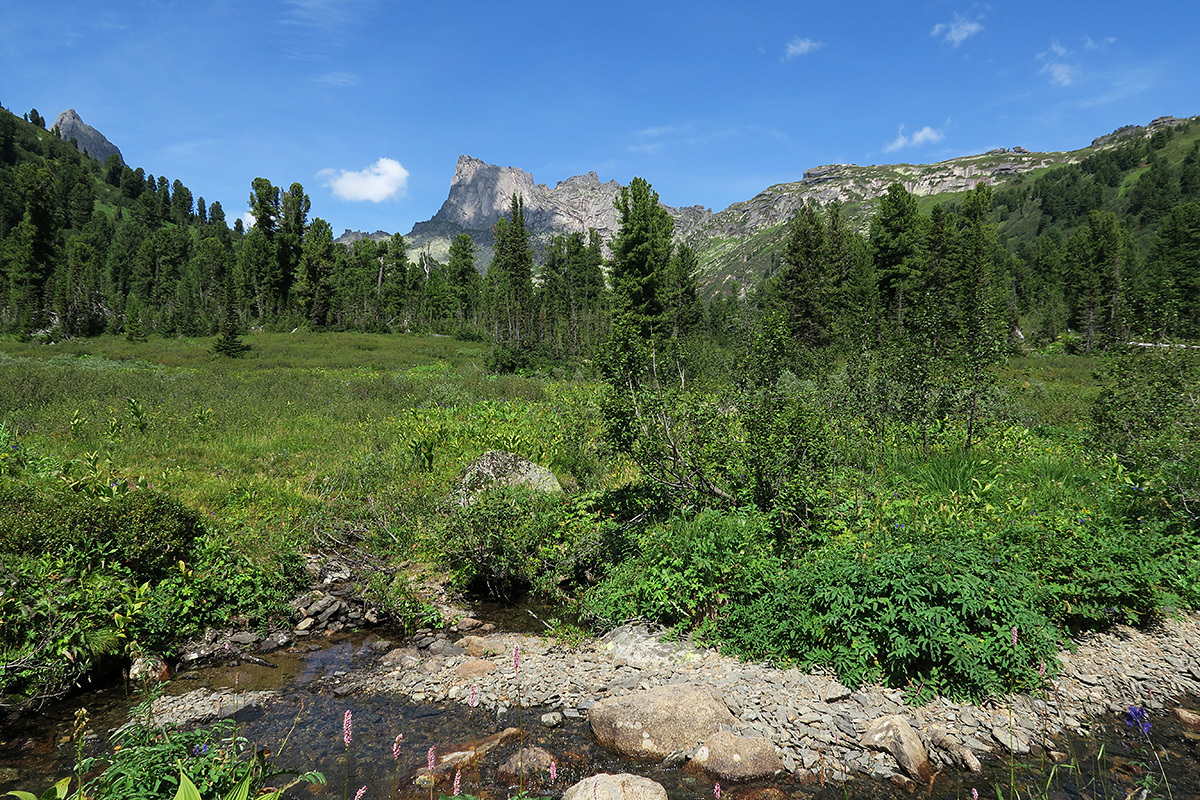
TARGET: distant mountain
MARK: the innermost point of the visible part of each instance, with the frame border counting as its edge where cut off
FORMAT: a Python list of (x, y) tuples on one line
[(349, 237), (87, 139), (738, 242)]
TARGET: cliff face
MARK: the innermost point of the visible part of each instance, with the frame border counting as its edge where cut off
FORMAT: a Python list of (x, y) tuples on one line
[(87, 139), (480, 194)]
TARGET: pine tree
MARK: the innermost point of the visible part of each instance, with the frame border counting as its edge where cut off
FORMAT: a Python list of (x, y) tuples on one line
[(641, 254)]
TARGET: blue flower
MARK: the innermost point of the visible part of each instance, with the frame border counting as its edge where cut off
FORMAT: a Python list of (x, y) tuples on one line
[(1136, 718)]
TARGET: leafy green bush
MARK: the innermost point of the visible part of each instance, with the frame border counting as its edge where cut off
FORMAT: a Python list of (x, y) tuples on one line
[(146, 530), (937, 621), (687, 570), (511, 540)]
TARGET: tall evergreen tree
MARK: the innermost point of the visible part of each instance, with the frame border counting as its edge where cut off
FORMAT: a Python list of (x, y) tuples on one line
[(896, 249), (641, 254), (464, 278)]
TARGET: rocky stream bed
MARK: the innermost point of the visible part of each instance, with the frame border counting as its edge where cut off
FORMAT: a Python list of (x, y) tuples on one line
[(660, 704), (669, 702)]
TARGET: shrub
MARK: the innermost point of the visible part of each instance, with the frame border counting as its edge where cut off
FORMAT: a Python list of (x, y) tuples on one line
[(146, 530), (687, 570), (511, 540), (939, 621)]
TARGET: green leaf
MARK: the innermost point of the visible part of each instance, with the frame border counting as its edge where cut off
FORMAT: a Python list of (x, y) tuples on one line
[(187, 789), (22, 795), (242, 790)]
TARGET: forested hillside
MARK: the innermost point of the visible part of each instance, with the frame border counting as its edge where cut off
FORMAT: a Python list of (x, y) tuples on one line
[(1096, 251)]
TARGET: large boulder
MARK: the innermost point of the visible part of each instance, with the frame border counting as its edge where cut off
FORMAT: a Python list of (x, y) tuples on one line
[(892, 734), (737, 758), (659, 722), (498, 469), (616, 787)]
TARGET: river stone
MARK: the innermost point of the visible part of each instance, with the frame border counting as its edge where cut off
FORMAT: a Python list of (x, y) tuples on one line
[(534, 761), (892, 734), (474, 668), (498, 469), (149, 668), (479, 647), (616, 787), (1188, 718), (657, 722), (1011, 741), (737, 758)]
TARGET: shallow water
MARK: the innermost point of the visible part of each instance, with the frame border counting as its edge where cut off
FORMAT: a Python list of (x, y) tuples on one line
[(303, 730)]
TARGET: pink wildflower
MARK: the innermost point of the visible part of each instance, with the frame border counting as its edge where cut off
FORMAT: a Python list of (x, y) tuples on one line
[(717, 791), (974, 794), (457, 780), (359, 794), (396, 747), (1014, 637), (431, 756), (516, 656), (474, 698), (347, 727), (553, 771)]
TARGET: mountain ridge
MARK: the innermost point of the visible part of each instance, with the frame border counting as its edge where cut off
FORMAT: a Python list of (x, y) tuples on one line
[(480, 193)]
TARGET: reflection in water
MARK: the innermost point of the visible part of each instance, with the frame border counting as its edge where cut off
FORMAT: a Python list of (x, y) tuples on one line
[(303, 730)]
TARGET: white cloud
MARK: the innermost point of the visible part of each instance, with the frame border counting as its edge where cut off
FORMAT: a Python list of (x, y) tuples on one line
[(801, 47), (384, 179), (958, 30), (248, 220), (926, 135), (1060, 74), (337, 79), (1091, 44)]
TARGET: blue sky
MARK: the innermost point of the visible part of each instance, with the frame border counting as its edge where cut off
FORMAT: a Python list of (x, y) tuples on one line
[(369, 103)]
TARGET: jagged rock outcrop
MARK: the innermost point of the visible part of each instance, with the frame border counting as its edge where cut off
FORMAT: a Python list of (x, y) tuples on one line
[(349, 237), (481, 193), (87, 139)]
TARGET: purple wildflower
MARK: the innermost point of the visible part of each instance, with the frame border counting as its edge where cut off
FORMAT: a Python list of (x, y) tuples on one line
[(474, 698), (1136, 718), (396, 747)]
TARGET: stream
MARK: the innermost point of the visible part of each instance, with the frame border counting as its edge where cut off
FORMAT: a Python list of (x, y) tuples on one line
[(302, 727)]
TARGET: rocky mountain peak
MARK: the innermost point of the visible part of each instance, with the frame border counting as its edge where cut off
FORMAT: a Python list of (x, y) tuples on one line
[(89, 140), (481, 193)]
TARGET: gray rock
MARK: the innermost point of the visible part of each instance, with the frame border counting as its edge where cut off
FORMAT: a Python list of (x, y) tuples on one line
[(1010, 741), (552, 719), (738, 758), (655, 723), (892, 734), (498, 469), (616, 787)]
